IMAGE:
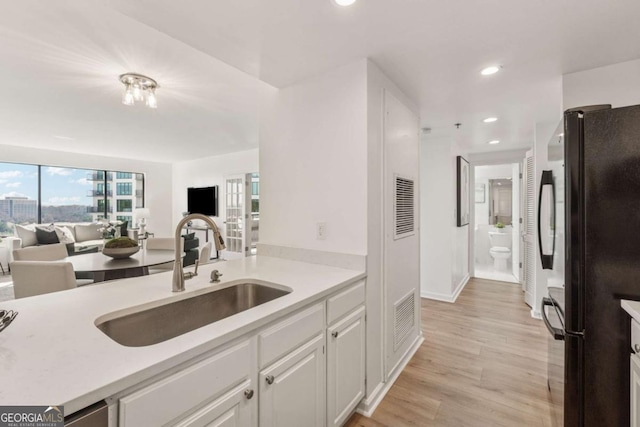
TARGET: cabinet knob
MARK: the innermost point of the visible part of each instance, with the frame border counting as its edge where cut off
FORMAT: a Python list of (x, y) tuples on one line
[(269, 379), (334, 334), (636, 347), (248, 393)]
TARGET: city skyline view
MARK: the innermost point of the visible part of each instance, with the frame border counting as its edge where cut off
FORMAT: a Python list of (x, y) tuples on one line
[(60, 186)]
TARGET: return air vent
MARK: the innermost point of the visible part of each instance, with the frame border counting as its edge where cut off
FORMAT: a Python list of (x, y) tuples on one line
[(404, 311), (404, 207)]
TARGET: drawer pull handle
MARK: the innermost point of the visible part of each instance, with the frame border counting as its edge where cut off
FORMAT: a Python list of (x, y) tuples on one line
[(269, 379), (334, 334), (248, 393)]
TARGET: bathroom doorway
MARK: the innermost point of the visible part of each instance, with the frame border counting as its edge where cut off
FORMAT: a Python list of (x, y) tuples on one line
[(497, 222)]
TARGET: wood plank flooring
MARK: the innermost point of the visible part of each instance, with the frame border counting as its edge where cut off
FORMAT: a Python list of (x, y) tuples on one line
[(483, 363)]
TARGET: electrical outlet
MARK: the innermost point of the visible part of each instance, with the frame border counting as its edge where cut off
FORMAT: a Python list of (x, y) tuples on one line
[(321, 231)]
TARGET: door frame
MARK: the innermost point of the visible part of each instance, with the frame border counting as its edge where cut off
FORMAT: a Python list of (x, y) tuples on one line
[(489, 159)]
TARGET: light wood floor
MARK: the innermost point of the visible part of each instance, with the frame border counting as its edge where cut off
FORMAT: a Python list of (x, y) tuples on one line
[(483, 363)]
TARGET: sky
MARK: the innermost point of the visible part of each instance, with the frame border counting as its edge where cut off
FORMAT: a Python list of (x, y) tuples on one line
[(60, 186)]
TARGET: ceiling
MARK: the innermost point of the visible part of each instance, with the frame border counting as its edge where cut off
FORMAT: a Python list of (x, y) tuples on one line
[(213, 59)]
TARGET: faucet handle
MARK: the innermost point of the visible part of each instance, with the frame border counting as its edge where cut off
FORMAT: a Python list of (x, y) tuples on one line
[(215, 276), (195, 270)]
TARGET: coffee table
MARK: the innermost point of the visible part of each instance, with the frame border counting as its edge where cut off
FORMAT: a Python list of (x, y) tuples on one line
[(106, 268)]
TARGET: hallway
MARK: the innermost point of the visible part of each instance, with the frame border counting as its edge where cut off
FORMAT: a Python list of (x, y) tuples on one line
[(483, 363)]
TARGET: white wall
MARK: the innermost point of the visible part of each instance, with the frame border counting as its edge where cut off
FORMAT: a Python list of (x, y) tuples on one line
[(158, 176), (377, 83), (321, 160), (444, 246), (313, 151), (460, 236), (617, 84), (207, 172)]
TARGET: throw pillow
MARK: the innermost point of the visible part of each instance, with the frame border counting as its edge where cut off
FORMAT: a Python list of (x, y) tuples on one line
[(85, 232), (27, 235), (46, 234), (65, 235)]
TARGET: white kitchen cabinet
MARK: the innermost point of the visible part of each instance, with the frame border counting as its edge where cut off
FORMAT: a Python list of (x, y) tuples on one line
[(300, 369), (234, 409), (345, 366), (198, 395), (292, 390)]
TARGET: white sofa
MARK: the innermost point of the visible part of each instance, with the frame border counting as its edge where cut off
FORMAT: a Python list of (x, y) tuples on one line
[(82, 234)]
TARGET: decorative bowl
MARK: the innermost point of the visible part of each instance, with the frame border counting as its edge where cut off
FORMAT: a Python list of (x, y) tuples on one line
[(119, 253)]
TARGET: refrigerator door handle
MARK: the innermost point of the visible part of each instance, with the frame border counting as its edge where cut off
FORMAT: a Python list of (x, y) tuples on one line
[(546, 258), (557, 333)]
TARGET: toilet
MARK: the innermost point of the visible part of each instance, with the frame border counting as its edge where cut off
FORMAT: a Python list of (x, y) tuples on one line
[(500, 249)]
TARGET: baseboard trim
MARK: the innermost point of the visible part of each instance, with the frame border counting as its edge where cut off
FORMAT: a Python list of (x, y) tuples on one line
[(460, 287), (447, 297), (369, 405)]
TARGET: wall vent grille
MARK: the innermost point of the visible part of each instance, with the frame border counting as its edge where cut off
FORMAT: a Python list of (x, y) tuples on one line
[(404, 311), (404, 211)]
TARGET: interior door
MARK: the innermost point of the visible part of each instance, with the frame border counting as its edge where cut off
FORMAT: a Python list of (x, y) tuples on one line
[(529, 230), (235, 206)]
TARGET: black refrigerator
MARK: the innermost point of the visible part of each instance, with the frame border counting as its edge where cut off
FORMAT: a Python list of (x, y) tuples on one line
[(593, 242)]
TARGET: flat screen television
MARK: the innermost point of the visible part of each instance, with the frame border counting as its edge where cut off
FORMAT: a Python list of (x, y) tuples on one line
[(203, 200)]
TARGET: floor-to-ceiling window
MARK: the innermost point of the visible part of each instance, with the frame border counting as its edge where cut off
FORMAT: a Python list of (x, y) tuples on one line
[(67, 195), (18, 195), (46, 194)]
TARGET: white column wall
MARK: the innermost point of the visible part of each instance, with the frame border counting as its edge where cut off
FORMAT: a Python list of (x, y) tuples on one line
[(313, 163)]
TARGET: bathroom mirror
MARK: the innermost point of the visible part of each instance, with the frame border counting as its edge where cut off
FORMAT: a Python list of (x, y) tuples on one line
[(500, 201)]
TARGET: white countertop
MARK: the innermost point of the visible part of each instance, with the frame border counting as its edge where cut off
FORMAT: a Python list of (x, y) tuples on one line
[(53, 354), (631, 307)]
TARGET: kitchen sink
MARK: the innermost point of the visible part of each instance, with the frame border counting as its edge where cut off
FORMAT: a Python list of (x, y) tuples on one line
[(161, 323)]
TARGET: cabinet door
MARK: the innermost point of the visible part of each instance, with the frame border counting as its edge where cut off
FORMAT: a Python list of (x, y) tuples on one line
[(236, 408), (172, 398), (635, 391), (345, 367), (292, 390)]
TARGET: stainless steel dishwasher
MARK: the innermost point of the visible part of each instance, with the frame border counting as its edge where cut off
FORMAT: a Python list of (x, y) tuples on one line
[(96, 415)]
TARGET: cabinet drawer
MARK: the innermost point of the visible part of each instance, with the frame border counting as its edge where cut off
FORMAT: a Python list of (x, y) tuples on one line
[(635, 335), (182, 392), (289, 334), (342, 303)]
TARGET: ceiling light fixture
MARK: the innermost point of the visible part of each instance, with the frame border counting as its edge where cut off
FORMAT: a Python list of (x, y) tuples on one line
[(139, 88), (344, 2), (494, 142), (490, 119), (490, 70)]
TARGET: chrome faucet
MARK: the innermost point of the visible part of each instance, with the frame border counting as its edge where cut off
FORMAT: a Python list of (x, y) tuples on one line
[(178, 271)]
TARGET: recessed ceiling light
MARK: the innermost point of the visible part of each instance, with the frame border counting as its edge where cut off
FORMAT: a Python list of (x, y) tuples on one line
[(344, 2), (490, 119), (490, 70), (494, 142)]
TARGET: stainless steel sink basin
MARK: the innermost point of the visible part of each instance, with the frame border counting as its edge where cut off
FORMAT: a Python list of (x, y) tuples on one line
[(164, 322)]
